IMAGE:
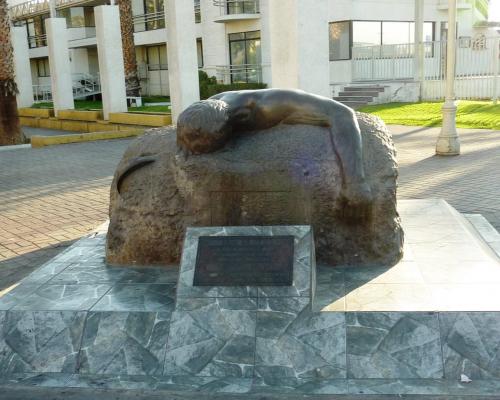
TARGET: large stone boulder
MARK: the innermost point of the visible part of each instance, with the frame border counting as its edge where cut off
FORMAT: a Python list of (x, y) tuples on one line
[(285, 175)]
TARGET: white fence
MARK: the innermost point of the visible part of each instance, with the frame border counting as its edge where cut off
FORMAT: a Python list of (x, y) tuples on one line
[(477, 67), (249, 73), (84, 85)]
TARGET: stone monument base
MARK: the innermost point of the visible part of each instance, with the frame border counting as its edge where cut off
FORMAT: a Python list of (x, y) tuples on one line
[(415, 328)]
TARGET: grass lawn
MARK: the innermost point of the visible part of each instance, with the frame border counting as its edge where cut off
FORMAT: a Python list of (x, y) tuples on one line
[(470, 114), (97, 105)]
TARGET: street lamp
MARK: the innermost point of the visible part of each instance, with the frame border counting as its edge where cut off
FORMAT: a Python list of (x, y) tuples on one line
[(448, 143)]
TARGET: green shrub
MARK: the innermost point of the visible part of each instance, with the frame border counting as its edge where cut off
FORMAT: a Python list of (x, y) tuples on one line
[(209, 86)]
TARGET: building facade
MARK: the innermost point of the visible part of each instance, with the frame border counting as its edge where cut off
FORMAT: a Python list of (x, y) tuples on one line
[(233, 41)]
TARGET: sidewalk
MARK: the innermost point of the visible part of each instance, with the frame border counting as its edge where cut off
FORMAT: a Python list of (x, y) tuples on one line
[(29, 131), (469, 182), (52, 196)]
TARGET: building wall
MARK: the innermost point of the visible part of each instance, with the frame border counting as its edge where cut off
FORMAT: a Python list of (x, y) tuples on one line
[(214, 35)]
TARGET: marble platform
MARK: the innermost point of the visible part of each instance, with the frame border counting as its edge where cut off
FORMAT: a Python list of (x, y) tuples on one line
[(414, 328)]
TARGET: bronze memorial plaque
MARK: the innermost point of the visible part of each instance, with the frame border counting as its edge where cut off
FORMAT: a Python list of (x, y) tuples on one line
[(244, 261)]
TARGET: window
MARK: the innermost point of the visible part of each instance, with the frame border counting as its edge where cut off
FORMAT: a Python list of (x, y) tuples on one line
[(347, 34), (245, 56), (36, 31), (42, 67), (78, 17), (197, 12), (242, 7), (157, 19), (157, 57), (340, 40), (199, 49), (366, 33)]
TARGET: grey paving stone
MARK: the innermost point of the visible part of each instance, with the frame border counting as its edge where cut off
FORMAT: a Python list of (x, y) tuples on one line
[(138, 297), (471, 344), (88, 273), (293, 342), (63, 297), (300, 386), (17, 295), (158, 274), (40, 341), (46, 272), (398, 386), (180, 383), (330, 289), (129, 343), (393, 345), (212, 337), (205, 384), (48, 379), (77, 254)]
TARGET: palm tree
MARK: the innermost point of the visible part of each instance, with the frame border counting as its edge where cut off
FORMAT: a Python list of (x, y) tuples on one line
[(10, 130), (129, 59)]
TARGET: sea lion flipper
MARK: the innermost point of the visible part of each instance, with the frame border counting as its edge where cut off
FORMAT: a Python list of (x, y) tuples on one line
[(133, 165)]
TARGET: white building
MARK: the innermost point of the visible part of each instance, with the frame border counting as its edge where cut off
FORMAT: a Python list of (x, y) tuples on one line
[(370, 42)]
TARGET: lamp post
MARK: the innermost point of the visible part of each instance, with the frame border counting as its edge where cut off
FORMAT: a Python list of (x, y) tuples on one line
[(448, 143)]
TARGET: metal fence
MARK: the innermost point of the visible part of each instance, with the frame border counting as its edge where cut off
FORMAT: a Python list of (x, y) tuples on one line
[(150, 21), (476, 70), (229, 7), (246, 73), (83, 85)]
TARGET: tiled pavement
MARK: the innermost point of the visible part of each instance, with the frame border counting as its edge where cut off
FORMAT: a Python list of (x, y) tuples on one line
[(49, 197), (469, 182)]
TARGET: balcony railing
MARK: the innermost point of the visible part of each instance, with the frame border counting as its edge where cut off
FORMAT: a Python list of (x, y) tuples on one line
[(42, 93), (246, 73), (37, 41), (149, 22), (37, 7), (231, 7), (84, 85)]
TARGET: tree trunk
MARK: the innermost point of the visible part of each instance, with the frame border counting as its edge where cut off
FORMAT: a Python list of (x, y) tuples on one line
[(10, 130), (129, 59)]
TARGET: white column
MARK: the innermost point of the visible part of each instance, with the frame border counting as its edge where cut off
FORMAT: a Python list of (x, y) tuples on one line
[(22, 66), (60, 68), (110, 55), (265, 45), (214, 37), (448, 143), (182, 55), (419, 45), (299, 45)]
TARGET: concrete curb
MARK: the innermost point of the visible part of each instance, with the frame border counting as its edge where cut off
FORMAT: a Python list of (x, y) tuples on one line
[(15, 147), (42, 141)]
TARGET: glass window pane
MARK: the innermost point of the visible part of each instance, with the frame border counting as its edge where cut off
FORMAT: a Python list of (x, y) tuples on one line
[(428, 31), (253, 51), (397, 32), (237, 53), (252, 35), (199, 50), (89, 16), (339, 40), (236, 36), (162, 50), (366, 33)]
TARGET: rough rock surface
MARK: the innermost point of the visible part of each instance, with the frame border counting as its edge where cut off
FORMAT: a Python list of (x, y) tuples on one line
[(284, 175)]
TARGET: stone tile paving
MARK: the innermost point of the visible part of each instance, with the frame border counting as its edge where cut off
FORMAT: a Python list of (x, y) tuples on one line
[(469, 182), (50, 197), (207, 344)]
